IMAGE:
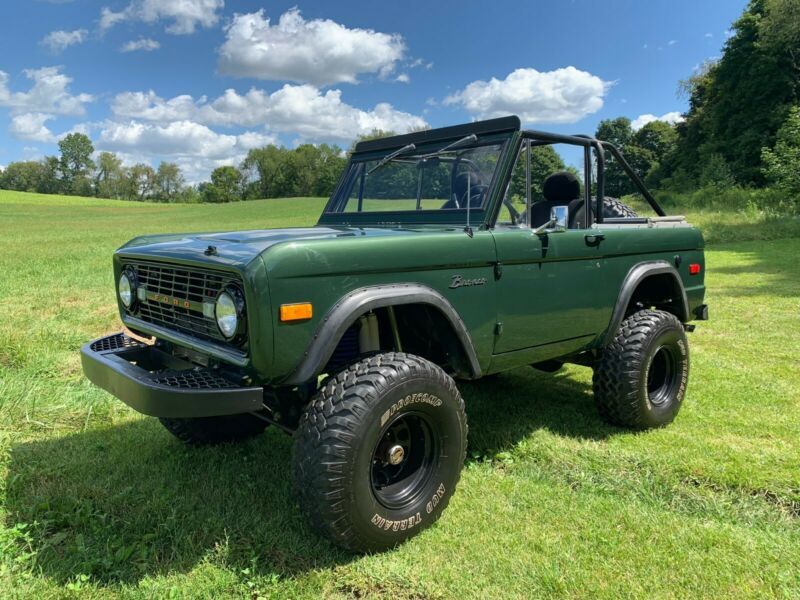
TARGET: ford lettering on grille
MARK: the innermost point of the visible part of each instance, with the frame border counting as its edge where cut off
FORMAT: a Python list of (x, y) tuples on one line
[(175, 295)]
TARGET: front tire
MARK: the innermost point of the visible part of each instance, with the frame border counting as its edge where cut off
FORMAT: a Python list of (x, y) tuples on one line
[(209, 431), (640, 380), (379, 451)]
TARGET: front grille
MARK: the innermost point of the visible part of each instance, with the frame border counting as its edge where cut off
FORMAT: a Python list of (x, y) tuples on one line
[(175, 295)]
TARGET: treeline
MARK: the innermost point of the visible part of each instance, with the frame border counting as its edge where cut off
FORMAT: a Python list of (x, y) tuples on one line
[(75, 173), (277, 172), (742, 129), (268, 172)]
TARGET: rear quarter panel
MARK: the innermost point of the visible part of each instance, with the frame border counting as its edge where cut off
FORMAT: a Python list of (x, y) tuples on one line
[(678, 244)]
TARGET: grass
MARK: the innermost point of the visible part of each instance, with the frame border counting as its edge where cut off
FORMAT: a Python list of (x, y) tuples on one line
[(98, 501)]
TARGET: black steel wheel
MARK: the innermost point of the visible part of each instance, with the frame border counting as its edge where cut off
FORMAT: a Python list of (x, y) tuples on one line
[(640, 380), (379, 451), (403, 459)]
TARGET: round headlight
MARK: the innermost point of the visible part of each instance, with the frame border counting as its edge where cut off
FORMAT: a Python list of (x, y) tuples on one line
[(227, 312), (126, 290)]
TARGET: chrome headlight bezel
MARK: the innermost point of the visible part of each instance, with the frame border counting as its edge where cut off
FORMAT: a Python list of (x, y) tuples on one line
[(230, 302), (128, 276)]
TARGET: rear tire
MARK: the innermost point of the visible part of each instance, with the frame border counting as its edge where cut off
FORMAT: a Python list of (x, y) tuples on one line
[(207, 431), (388, 407), (640, 380)]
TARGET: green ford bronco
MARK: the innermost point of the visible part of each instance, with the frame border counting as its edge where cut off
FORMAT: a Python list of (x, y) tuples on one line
[(441, 255)]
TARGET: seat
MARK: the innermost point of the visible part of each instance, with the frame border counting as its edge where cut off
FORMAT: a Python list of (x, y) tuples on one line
[(561, 188)]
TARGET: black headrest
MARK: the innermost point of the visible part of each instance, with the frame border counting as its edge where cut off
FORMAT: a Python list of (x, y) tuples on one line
[(561, 186)]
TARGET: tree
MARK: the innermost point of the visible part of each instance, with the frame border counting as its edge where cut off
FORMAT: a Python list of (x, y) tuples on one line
[(308, 170), (657, 136), (544, 161), (737, 104), (23, 176), (168, 181), (76, 161), (782, 162), (620, 133), (109, 175), (226, 185), (263, 172), (48, 181), (141, 181)]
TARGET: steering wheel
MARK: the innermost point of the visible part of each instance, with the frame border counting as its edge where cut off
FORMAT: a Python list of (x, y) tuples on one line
[(476, 193)]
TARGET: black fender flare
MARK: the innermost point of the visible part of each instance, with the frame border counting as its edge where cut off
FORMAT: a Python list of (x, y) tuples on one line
[(349, 308), (635, 276)]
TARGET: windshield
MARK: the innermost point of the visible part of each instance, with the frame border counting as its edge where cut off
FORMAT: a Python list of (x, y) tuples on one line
[(437, 177)]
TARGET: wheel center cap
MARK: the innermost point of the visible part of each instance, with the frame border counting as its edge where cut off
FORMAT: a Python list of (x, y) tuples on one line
[(396, 455)]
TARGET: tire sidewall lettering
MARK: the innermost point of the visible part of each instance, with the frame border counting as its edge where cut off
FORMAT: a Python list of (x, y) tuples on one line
[(666, 337), (430, 398)]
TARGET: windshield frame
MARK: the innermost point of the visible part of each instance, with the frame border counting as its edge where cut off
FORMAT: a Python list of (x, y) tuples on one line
[(333, 213)]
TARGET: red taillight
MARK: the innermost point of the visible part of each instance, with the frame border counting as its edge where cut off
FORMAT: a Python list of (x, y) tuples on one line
[(694, 268)]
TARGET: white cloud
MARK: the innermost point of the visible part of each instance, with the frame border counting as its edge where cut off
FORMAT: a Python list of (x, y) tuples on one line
[(672, 42), (299, 109), (109, 18), (319, 51), (403, 78), (709, 35), (59, 40), (184, 15), (195, 148), (670, 117), (142, 44), (31, 127), (49, 94), (179, 138), (420, 63), (564, 95)]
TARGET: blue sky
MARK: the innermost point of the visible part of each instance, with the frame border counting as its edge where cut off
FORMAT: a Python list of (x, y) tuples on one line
[(201, 81)]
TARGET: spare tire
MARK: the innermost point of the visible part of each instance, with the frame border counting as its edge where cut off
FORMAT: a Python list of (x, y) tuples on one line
[(615, 208)]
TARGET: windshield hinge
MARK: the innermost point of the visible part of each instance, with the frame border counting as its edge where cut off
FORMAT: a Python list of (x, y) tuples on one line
[(498, 270)]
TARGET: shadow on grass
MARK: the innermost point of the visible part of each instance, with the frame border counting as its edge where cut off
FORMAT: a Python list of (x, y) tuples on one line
[(128, 501), (506, 408)]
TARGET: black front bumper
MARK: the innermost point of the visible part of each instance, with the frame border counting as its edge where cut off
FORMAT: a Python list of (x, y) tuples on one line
[(156, 383)]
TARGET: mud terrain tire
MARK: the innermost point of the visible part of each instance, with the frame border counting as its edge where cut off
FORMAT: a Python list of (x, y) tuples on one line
[(640, 380), (346, 480)]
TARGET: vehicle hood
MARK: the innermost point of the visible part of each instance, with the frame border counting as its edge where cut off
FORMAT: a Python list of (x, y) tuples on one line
[(237, 248)]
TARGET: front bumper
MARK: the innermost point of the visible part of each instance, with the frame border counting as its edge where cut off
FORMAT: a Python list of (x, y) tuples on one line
[(160, 385)]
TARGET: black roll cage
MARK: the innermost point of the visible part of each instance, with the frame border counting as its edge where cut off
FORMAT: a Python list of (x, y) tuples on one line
[(589, 143)]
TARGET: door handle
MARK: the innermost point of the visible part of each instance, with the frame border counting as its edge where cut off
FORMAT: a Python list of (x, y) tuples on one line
[(594, 239)]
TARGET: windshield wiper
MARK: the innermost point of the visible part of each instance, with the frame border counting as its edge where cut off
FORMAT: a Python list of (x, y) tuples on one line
[(393, 155), (465, 140)]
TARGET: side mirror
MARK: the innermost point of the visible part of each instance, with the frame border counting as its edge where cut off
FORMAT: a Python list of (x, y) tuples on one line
[(559, 217)]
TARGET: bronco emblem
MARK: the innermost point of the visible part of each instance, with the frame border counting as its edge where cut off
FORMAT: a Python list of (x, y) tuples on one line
[(459, 281)]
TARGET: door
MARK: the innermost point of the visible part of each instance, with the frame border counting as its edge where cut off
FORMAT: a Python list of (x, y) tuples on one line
[(547, 282), (545, 293)]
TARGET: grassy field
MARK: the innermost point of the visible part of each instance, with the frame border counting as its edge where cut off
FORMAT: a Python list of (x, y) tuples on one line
[(98, 501)]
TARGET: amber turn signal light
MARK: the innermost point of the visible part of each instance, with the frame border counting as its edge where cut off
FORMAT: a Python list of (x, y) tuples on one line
[(296, 312)]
